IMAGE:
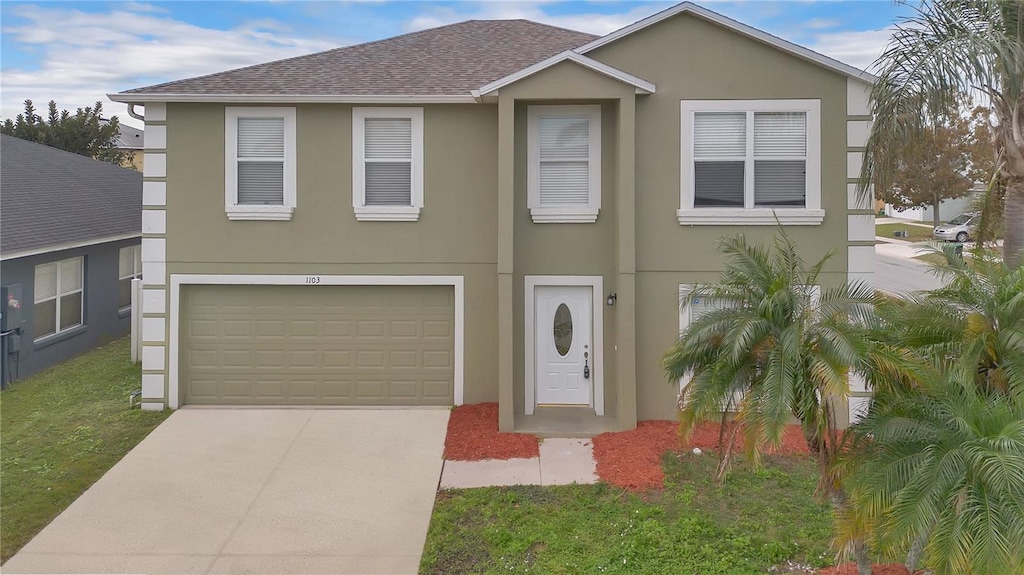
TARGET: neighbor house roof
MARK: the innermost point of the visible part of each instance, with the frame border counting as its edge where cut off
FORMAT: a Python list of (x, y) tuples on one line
[(449, 60), (453, 63), (130, 138), (54, 199)]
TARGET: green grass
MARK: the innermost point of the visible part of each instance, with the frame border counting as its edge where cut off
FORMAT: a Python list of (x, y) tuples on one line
[(60, 431), (915, 233), (757, 519)]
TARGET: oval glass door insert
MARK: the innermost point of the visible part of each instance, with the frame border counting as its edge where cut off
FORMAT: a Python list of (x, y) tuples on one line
[(563, 330)]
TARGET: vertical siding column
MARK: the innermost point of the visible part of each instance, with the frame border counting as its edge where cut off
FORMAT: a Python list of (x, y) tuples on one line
[(625, 310), (506, 162), (154, 266)]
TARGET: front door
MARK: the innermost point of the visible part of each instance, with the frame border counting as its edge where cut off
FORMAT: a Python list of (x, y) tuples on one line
[(564, 345)]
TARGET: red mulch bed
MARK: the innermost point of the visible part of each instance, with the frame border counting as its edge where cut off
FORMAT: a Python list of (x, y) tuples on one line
[(632, 459), (876, 569), (473, 436)]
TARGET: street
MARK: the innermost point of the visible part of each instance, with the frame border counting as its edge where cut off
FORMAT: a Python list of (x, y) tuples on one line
[(898, 275)]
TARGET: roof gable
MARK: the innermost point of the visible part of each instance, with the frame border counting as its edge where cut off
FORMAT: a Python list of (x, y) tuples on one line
[(736, 26), (642, 86)]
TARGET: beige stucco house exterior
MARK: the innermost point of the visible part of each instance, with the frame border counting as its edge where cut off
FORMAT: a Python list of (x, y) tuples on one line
[(487, 211)]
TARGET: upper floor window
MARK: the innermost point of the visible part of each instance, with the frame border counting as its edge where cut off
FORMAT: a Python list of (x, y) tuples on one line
[(564, 163), (58, 297), (259, 163), (387, 163), (129, 268), (748, 162)]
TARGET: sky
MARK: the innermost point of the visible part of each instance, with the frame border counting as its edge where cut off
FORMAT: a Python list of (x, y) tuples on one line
[(77, 52)]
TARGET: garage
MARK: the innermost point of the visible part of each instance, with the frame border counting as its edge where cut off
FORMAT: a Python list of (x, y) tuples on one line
[(318, 344)]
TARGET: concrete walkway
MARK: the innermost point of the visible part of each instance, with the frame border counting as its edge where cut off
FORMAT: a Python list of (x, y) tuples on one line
[(257, 491), (562, 462)]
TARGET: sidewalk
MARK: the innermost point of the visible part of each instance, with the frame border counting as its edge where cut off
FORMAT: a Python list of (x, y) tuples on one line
[(898, 248), (562, 461)]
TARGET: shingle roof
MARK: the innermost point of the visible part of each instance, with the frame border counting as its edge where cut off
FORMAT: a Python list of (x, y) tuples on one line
[(130, 138), (449, 60), (51, 197)]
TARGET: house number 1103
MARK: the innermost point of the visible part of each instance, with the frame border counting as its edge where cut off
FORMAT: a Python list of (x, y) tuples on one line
[(312, 279)]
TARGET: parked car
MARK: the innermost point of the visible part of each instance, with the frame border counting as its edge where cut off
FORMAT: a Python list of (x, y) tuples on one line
[(958, 229)]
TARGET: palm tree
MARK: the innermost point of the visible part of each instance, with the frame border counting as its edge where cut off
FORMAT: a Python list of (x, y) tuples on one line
[(941, 470), (938, 465), (937, 60), (783, 346)]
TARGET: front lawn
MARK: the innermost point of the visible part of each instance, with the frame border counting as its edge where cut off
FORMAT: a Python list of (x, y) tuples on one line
[(915, 233), (757, 519), (60, 431)]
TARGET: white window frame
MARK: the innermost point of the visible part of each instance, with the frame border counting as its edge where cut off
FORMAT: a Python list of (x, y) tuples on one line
[(810, 215), (246, 212), (363, 212), (136, 272), (58, 295), (568, 214)]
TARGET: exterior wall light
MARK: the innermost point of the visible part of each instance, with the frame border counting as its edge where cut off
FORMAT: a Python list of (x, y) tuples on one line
[(611, 298)]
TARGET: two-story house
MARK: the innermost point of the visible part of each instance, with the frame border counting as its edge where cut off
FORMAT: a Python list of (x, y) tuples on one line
[(486, 211)]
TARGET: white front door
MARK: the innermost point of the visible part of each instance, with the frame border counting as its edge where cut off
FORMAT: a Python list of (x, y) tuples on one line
[(564, 345)]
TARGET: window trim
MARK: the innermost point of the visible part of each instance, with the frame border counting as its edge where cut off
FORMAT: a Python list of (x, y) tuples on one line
[(136, 270), (811, 214), (231, 207), (57, 297), (568, 214), (364, 213)]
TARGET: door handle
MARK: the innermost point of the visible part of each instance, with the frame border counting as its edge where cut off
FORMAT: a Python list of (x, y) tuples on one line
[(586, 365)]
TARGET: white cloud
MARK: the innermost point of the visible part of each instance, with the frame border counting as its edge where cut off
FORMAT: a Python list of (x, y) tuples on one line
[(599, 24), (86, 55), (856, 48)]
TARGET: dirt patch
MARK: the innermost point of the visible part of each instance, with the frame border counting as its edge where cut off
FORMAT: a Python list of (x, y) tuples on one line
[(473, 436), (876, 569), (632, 459)]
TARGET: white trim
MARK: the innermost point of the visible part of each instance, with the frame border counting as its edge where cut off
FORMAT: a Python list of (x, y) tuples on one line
[(854, 201), (858, 98), (178, 280), (154, 301), (563, 214), (153, 359), (642, 86), (128, 98), (410, 213), (154, 273), (154, 329), (152, 385), (68, 246), (155, 111), (155, 137), (811, 214), (716, 18), (154, 193), (530, 382), (854, 162), (258, 212), (857, 133), (154, 221), (860, 259), (860, 228), (154, 250), (155, 165)]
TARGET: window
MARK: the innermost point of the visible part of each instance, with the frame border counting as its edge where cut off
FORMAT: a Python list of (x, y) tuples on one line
[(748, 162), (259, 169), (58, 297), (387, 164), (129, 268), (564, 163), (692, 307)]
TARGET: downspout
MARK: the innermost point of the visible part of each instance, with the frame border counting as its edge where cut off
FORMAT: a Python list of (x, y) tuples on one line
[(132, 113)]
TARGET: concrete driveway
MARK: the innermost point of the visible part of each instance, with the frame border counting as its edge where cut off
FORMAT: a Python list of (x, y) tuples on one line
[(257, 491)]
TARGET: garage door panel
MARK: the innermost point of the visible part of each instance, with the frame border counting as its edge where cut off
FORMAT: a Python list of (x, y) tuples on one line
[(298, 345)]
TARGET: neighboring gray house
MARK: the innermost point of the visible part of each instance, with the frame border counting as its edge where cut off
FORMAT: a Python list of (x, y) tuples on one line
[(70, 230)]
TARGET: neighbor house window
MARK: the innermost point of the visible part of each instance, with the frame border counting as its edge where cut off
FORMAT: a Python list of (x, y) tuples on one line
[(564, 163), (750, 162), (259, 163), (129, 268), (387, 163), (58, 297)]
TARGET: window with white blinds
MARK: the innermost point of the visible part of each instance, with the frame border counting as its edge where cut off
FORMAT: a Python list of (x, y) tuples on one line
[(564, 163), (260, 153), (129, 268), (387, 162), (58, 291), (761, 156)]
